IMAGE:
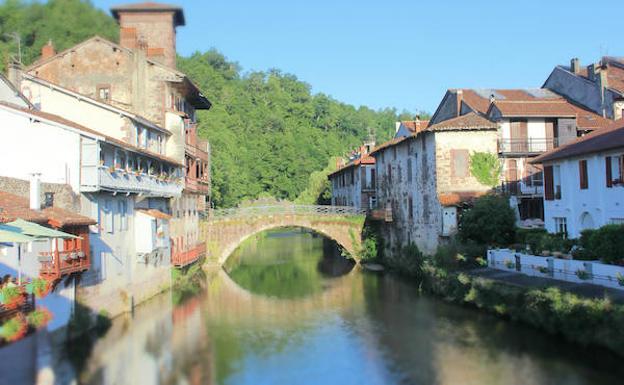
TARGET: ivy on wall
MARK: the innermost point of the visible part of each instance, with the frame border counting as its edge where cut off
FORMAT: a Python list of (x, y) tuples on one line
[(486, 167)]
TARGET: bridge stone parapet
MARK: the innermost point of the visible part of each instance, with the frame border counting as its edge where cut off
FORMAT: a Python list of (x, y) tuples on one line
[(224, 230)]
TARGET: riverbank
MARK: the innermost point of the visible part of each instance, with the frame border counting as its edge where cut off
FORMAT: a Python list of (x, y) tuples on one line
[(584, 320)]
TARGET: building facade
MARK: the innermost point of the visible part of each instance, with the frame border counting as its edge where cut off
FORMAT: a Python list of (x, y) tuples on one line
[(138, 75), (584, 183), (353, 183), (423, 181)]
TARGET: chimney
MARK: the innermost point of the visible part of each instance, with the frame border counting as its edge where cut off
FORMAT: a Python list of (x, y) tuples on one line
[(153, 23), (460, 99), (35, 191), (575, 66), (47, 51), (591, 72), (492, 98), (14, 73), (48, 200)]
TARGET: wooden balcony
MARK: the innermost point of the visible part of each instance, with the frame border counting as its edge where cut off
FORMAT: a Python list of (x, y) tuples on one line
[(57, 264), (186, 257), (197, 186), (381, 214)]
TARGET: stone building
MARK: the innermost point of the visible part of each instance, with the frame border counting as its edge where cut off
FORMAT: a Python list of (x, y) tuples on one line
[(529, 122), (424, 179), (139, 76), (353, 183)]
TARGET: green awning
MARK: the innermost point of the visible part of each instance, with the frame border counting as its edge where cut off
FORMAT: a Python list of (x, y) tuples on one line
[(38, 231), (10, 234)]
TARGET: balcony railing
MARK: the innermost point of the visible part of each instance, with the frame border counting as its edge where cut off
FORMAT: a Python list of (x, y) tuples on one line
[(56, 264), (200, 186), (132, 182), (520, 189), (526, 145), (183, 258), (25, 304)]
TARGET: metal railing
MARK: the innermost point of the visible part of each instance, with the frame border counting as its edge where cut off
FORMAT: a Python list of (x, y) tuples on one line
[(128, 182), (527, 145), (286, 209)]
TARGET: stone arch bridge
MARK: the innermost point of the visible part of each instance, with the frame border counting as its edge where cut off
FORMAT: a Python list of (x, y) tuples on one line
[(224, 230)]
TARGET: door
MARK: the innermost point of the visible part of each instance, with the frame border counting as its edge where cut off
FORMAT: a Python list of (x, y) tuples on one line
[(519, 136), (511, 176)]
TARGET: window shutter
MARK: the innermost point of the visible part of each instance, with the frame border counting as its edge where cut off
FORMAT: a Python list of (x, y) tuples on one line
[(609, 171), (583, 174), (549, 190)]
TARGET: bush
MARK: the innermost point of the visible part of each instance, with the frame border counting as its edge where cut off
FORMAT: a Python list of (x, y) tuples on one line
[(491, 221), (408, 261), (607, 243), (531, 237)]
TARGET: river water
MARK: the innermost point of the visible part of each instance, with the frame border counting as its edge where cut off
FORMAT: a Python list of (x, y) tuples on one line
[(288, 309)]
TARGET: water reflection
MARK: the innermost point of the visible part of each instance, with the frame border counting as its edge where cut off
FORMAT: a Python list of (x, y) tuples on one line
[(351, 329), (286, 263)]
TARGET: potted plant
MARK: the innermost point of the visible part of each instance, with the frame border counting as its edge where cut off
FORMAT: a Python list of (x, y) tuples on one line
[(11, 297), (39, 318), (39, 287), (582, 274), (14, 329)]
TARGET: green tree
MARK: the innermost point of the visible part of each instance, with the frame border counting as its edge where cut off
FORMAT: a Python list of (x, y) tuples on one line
[(491, 221)]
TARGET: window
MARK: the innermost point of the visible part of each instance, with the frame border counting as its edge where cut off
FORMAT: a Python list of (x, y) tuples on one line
[(373, 181), (103, 92), (614, 169), (160, 144), (394, 152), (616, 221), (584, 183), (109, 220), (533, 175), (410, 208), (122, 207), (409, 169), (389, 173), (557, 181), (561, 226), (459, 163)]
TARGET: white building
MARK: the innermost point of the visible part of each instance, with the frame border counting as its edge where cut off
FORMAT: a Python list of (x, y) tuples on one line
[(584, 182), (114, 180)]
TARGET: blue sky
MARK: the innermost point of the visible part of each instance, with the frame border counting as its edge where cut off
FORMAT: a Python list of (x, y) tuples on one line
[(401, 53)]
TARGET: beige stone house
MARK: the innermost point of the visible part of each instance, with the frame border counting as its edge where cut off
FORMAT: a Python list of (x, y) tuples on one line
[(424, 179)]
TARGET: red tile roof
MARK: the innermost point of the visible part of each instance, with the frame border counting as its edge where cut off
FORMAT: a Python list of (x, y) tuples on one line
[(601, 140), (415, 126), (366, 159), (14, 207), (456, 198), (390, 143), (479, 99), (468, 121), (535, 108)]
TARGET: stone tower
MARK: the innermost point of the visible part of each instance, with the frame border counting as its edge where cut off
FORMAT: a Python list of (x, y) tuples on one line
[(150, 26)]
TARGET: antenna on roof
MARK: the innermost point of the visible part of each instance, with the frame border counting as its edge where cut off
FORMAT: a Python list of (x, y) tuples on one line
[(18, 39)]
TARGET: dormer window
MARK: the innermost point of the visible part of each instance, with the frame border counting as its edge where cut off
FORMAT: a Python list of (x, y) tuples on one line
[(103, 92)]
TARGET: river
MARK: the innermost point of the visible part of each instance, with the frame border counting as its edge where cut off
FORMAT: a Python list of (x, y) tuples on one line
[(289, 309)]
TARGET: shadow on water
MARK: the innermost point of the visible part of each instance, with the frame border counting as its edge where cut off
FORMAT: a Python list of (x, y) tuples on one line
[(447, 344)]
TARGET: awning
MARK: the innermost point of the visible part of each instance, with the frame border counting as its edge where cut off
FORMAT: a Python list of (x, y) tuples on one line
[(34, 230), (9, 234)]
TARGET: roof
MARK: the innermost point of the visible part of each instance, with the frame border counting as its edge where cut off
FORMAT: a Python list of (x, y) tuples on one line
[(456, 198), (68, 123), (154, 213), (366, 159), (138, 118), (588, 120), (533, 108), (601, 140), (390, 143), (150, 7), (415, 126), (470, 121), (17, 207), (479, 99), (200, 100)]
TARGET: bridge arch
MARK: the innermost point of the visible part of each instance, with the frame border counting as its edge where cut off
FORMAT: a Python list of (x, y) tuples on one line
[(225, 230)]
